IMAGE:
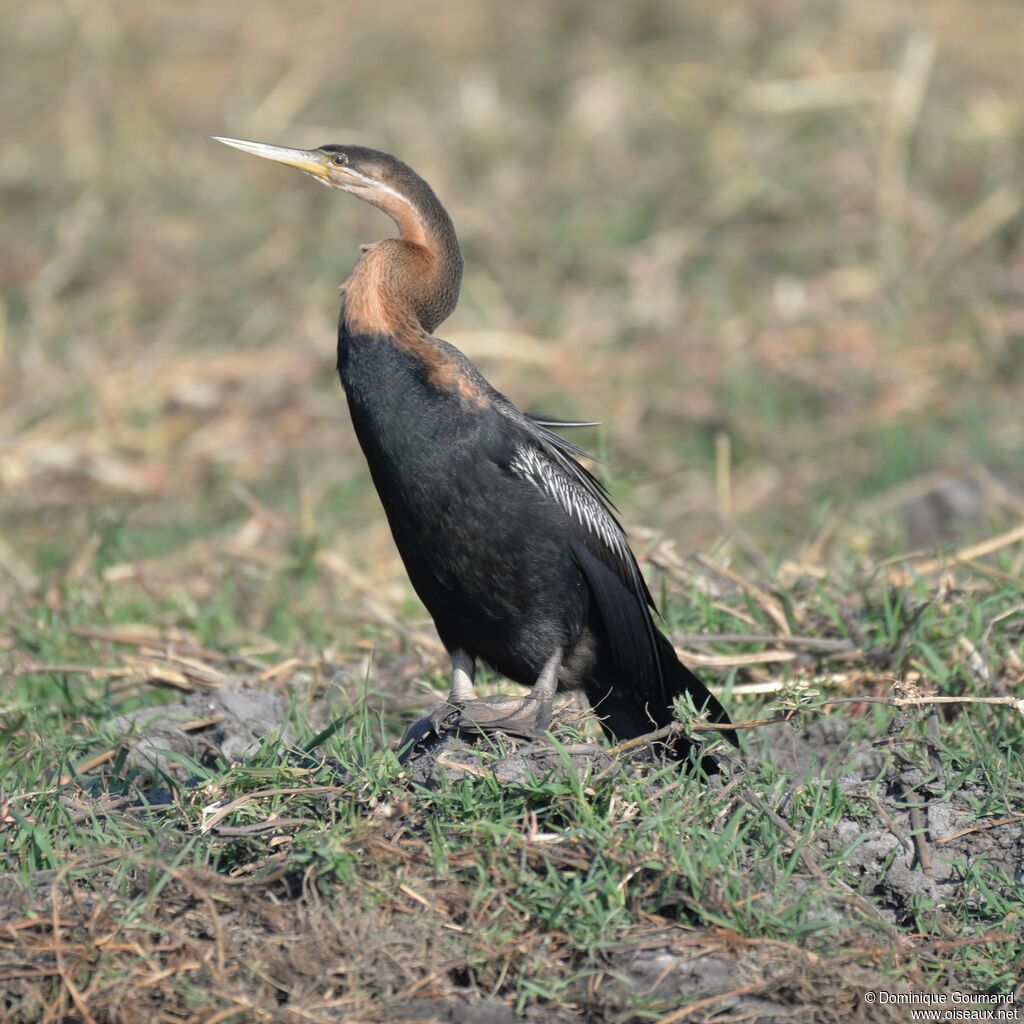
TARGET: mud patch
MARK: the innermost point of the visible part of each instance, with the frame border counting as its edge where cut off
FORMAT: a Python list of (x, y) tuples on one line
[(455, 755), (911, 838), (757, 983)]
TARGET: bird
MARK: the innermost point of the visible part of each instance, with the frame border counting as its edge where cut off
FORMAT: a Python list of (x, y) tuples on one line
[(510, 542)]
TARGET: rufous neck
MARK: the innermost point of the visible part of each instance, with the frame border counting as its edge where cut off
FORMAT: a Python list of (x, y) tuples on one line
[(416, 275)]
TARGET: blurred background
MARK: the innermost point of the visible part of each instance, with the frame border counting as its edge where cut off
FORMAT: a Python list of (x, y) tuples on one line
[(775, 246)]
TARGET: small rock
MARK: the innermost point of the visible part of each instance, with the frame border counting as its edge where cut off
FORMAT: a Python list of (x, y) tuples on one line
[(247, 717)]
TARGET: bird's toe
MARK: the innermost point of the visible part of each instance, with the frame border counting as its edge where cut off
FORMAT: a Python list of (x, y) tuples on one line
[(425, 729)]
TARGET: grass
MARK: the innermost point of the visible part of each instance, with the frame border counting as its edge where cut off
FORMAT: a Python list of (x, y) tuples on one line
[(775, 247), (537, 889)]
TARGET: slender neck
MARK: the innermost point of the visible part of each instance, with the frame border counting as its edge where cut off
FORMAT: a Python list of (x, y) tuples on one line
[(410, 281)]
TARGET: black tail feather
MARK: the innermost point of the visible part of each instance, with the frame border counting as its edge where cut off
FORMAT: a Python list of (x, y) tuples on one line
[(626, 712)]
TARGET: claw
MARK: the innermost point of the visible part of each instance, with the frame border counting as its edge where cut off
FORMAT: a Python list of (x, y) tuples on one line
[(523, 716)]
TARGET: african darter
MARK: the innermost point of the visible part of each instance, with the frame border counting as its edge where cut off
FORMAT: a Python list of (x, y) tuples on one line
[(508, 540)]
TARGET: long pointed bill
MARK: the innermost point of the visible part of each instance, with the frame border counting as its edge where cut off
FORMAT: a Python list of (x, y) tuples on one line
[(309, 160)]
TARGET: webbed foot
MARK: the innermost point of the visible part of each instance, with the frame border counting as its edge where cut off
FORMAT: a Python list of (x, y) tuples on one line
[(526, 717), (519, 716)]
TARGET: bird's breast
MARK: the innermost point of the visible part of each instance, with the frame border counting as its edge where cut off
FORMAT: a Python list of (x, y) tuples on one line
[(482, 547)]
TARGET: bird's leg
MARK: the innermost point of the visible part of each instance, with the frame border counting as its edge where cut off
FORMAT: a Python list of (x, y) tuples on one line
[(505, 713), (460, 691), (463, 673), (544, 690)]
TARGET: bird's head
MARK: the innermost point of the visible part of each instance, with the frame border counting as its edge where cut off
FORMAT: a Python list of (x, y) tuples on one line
[(376, 177), (426, 259)]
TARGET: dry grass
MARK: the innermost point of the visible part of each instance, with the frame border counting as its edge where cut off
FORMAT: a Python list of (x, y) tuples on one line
[(260, 955), (789, 224)]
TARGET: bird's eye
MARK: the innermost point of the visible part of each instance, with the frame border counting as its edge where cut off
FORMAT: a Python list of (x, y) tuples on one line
[(340, 160)]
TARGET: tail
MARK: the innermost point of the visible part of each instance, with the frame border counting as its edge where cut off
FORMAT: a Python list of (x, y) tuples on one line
[(627, 712)]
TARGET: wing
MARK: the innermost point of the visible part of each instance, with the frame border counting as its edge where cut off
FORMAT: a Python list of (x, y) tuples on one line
[(601, 550), (548, 462), (585, 501), (563, 446), (542, 423)]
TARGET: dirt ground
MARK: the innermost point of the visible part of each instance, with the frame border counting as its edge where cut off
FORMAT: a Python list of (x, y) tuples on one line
[(285, 952)]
